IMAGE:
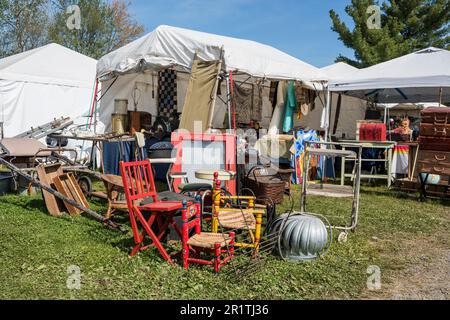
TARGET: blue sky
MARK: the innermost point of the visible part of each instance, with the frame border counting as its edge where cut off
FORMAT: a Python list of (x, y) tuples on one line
[(301, 28)]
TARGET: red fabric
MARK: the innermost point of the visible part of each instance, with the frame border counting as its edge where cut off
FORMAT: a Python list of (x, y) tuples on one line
[(372, 132), (165, 206)]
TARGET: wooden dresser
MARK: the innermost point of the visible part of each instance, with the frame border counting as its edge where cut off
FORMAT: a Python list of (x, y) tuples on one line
[(434, 147)]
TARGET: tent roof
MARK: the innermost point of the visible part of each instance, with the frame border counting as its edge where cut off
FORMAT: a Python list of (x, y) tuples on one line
[(175, 47), (50, 64), (339, 70), (415, 77)]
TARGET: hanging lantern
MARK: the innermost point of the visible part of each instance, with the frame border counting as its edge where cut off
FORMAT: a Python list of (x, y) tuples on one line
[(304, 237)]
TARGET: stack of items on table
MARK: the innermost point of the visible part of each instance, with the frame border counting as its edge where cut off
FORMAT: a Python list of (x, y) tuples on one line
[(434, 154)]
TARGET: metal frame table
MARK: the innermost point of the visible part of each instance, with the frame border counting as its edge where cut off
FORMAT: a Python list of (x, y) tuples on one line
[(387, 145)]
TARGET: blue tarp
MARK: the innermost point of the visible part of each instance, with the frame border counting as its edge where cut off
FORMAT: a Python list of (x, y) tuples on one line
[(114, 152)]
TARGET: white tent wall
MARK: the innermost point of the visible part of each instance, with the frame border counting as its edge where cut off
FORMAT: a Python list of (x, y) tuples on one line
[(352, 110), (24, 105), (42, 84)]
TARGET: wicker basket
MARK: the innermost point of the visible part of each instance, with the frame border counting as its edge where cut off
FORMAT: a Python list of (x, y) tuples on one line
[(266, 183)]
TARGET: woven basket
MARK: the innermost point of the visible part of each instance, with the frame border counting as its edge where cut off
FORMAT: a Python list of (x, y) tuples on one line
[(266, 184)]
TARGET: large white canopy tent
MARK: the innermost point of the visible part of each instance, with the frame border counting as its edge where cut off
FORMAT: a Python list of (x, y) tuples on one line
[(169, 47), (42, 84), (176, 47), (422, 76)]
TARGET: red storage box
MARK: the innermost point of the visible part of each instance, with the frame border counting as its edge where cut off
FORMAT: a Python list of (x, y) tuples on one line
[(372, 132)]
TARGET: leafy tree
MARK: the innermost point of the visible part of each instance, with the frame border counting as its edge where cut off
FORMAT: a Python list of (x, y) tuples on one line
[(406, 26), (23, 25), (105, 26)]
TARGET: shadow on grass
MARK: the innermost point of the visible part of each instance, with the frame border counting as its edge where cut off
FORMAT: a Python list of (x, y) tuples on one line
[(405, 196)]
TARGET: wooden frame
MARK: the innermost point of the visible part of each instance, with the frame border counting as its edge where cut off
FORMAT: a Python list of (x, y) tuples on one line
[(67, 185), (230, 153)]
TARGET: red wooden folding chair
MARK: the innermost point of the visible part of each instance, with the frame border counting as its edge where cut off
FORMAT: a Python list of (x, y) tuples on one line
[(139, 186)]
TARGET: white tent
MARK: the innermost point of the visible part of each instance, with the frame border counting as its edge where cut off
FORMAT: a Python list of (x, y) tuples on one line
[(175, 47), (352, 109), (42, 84), (422, 76), (339, 70), (134, 67)]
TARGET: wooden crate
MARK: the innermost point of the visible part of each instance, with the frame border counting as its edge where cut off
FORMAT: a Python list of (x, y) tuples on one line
[(67, 185), (46, 175)]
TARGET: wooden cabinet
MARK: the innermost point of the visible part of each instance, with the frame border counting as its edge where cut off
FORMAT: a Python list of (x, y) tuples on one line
[(434, 141)]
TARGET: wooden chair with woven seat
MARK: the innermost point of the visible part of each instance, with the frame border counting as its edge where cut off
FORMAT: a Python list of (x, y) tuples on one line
[(248, 217), (217, 244)]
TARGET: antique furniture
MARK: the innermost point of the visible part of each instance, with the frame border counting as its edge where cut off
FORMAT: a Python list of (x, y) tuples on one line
[(114, 187), (434, 144), (388, 146), (237, 213), (220, 245), (141, 197), (204, 151), (335, 191)]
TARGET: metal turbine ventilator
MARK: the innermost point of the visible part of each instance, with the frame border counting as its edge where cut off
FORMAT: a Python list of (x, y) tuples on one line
[(302, 237)]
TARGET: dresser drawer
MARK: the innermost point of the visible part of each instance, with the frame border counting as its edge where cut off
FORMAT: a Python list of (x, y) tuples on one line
[(440, 116), (435, 130), (434, 157), (434, 143), (433, 169)]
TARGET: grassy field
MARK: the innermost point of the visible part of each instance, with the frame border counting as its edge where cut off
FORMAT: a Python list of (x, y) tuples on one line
[(36, 250)]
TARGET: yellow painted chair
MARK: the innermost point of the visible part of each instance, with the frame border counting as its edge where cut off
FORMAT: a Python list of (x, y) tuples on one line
[(248, 217)]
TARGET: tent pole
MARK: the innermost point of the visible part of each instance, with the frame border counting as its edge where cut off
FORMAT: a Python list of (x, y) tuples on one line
[(214, 94), (230, 124), (328, 113)]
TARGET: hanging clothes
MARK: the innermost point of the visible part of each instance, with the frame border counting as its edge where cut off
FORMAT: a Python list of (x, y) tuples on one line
[(273, 93), (244, 104), (306, 100), (291, 105), (278, 115), (257, 101)]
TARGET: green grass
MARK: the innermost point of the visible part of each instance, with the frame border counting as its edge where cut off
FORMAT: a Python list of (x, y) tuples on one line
[(37, 249)]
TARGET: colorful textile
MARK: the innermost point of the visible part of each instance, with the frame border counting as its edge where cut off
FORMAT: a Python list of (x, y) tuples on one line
[(277, 119), (299, 153), (400, 162), (290, 106)]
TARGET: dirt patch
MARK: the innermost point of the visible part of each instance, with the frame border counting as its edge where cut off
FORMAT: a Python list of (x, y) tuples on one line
[(426, 276)]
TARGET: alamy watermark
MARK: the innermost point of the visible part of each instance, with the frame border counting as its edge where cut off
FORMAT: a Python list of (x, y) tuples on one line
[(74, 278), (74, 20), (374, 279), (374, 20)]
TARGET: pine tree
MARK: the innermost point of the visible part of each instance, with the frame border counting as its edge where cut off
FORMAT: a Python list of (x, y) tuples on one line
[(406, 26)]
